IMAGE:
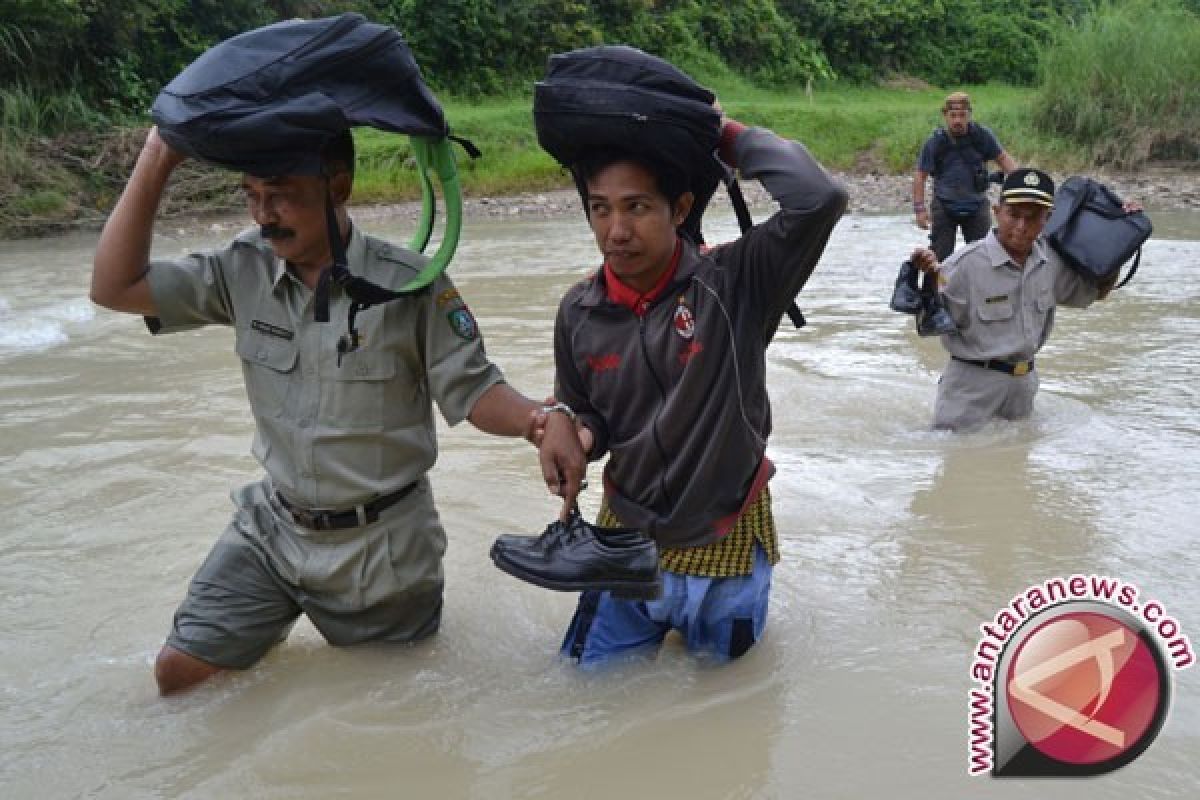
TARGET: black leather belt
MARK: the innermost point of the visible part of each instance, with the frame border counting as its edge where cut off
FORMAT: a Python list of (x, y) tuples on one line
[(1017, 368), (327, 519)]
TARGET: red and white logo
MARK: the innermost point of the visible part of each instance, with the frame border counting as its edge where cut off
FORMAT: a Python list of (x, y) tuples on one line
[(1073, 679), (685, 323), (1084, 688)]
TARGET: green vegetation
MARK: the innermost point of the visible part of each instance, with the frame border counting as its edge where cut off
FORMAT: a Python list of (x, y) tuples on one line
[(118, 53), (852, 128), (1125, 84), (1068, 84)]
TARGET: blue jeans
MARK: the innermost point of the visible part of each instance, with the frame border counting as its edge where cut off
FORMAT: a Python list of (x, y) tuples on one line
[(720, 618)]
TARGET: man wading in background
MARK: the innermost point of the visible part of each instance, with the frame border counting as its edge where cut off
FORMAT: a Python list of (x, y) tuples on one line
[(1001, 292), (956, 155)]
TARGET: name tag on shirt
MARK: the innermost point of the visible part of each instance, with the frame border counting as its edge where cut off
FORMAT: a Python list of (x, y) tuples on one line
[(271, 330), (996, 298)]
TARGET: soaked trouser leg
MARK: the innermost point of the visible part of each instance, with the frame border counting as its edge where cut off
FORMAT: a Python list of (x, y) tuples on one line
[(379, 582), (942, 230), (1018, 404), (968, 396), (719, 618)]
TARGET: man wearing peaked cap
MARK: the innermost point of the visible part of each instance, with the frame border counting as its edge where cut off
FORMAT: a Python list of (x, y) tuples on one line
[(1028, 185), (1002, 291)]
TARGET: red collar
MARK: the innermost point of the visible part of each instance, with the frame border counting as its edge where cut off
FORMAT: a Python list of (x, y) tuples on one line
[(637, 302)]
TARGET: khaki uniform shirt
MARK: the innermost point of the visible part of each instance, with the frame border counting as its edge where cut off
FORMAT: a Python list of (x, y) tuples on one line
[(333, 436), (1002, 311)]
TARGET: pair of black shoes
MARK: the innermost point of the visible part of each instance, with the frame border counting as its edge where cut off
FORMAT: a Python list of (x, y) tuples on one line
[(575, 556), (932, 317)]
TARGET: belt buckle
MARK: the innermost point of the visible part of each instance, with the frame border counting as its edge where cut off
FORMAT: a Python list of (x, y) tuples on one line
[(1021, 368)]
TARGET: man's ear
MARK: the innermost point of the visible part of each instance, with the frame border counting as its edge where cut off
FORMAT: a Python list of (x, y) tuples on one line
[(340, 184), (683, 207)]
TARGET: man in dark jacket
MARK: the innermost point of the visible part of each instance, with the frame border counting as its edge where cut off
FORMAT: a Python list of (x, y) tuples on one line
[(661, 354)]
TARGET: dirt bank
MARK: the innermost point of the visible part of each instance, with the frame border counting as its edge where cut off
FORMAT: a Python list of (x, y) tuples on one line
[(1158, 188)]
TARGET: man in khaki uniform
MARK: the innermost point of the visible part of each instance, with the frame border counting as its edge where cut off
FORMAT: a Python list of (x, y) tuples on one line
[(343, 526), (1002, 291)]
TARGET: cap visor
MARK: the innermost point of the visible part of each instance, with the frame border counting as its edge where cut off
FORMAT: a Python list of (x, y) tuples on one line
[(1028, 196)]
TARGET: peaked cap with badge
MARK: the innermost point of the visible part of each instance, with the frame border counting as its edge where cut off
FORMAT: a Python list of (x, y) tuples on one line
[(1028, 185)]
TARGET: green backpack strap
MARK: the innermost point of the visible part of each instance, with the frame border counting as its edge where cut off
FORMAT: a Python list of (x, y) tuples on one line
[(435, 158)]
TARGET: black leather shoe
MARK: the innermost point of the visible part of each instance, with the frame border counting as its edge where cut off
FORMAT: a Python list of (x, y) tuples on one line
[(933, 319), (576, 556), (906, 298)]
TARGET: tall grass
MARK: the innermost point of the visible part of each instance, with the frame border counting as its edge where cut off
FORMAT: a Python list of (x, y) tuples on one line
[(845, 127), (1125, 83), (33, 190), (25, 113)]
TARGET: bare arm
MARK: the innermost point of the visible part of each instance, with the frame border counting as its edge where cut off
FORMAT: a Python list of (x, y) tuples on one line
[(918, 197), (1006, 162), (504, 411), (119, 265)]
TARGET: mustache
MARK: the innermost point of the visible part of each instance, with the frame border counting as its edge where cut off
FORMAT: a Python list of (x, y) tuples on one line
[(276, 232)]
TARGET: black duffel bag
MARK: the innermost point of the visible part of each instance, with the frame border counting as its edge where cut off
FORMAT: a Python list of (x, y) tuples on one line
[(265, 102), (1093, 233)]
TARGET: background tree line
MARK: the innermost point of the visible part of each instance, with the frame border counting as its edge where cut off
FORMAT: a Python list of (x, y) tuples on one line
[(1071, 84), (117, 54)]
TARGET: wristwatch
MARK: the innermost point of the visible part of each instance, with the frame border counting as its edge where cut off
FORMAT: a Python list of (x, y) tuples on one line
[(560, 407)]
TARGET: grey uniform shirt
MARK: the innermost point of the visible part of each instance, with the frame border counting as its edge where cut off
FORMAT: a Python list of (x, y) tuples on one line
[(333, 436), (1002, 311)]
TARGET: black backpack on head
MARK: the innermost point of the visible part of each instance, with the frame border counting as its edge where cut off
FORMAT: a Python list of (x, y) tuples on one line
[(614, 96), (1091, 231), (266, 102), (619, 97)]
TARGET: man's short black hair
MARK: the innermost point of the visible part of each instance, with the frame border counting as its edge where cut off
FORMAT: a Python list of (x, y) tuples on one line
[(338, 154), (671, 182)]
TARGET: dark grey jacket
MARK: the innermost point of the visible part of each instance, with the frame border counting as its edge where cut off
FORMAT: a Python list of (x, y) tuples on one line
[(679, 396)]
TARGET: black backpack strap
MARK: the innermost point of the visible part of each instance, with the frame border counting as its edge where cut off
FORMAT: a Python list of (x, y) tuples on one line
[(362, 293), (972, 143), (738, 200), (466, 144), (746, 222), (1137, 259)]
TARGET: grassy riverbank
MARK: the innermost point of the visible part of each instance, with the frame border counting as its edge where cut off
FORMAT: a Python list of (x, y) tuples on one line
[(71, 179), (848, 128)]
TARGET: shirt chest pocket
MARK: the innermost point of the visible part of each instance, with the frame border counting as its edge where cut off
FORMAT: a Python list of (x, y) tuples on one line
[(361, 393), (269, 366), (995, 311)]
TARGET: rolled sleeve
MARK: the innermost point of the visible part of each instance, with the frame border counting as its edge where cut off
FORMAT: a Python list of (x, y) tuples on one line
[(190, 293), (953, 282), (456, 364), (1070, 288), (925, 161)]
